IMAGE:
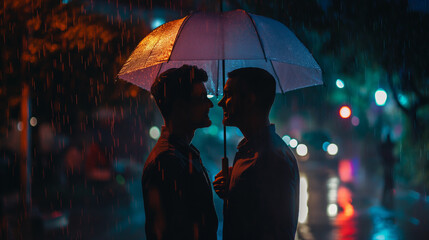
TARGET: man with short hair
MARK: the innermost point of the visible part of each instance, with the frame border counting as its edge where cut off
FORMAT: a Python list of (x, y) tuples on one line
[(263, 193), (177, 192)]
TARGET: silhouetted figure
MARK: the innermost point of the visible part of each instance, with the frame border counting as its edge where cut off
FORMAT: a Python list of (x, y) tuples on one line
[(388, 161), (177, 192), (263, 194)]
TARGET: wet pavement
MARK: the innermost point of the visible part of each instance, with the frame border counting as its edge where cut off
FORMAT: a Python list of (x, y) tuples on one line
[(340, 205), (335, 204)]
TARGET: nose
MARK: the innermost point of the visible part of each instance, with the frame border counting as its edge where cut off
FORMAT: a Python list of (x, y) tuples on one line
[(221, 102)]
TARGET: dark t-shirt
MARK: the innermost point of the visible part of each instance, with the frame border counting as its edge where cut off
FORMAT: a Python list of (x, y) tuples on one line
[(263, 197), (177, 192)]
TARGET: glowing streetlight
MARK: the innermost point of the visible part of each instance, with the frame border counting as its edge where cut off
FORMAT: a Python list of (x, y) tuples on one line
[(380, 97), (345, 112)]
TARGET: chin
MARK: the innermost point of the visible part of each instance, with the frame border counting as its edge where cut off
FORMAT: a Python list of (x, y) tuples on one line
[(228, 122)]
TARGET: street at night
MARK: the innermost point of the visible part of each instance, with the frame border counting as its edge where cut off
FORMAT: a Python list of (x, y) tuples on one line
[(150, 119)]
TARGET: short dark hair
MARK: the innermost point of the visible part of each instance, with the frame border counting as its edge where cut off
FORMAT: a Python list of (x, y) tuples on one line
[(259, 82), (175, 84)]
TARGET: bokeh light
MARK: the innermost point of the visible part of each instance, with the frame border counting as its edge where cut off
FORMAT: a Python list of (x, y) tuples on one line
[(156, 22), (293, 143), (154, 132), (345, 112), (380, 97), (332, 149), (340, 83), (325, 146), (210, 96), (33, 121), (345, 170), (355, 121), (19, 126), (332, 210), (403, 99), (301, 150), (133, 92), (286, 139), (303, 199)]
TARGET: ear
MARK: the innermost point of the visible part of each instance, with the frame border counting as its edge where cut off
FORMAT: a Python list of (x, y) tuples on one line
[(180, 107)]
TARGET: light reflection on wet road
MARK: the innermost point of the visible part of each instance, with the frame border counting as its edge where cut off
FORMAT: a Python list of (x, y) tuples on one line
[(338, 206), (330, 209)]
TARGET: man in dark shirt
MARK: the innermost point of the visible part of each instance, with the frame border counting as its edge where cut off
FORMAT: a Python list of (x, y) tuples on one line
[(177, 192), (263, 193)]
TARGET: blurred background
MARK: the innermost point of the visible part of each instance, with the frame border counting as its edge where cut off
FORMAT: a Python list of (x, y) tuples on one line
[(73, 139)]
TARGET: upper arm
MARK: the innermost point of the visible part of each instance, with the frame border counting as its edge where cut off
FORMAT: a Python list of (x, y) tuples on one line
[(167, 176)]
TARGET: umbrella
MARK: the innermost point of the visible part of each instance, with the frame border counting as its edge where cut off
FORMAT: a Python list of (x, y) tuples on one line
[(219, 43), (237, 38)]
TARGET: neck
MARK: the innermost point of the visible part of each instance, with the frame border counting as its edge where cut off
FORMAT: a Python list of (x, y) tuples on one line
[(253, 126), (180, 130)]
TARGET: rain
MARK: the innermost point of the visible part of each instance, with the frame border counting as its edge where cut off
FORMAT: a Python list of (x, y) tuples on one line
[(74, 136)]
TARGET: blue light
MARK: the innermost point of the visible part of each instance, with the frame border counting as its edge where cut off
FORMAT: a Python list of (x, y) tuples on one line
[(403, 99), (325, 146), (340, 83), (65, 1), (156, 22), (286, 139)]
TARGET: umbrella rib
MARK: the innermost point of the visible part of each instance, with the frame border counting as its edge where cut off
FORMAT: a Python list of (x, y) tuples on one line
[(257, 34), (159, 70), (177, 36), (277, 77), (217, 82)]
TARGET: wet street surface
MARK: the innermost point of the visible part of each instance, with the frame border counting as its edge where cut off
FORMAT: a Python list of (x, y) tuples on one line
[(334, 205), (351, 210)]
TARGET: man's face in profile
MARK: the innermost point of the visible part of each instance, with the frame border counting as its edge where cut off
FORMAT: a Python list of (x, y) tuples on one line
[(199, 107), (233, 103)]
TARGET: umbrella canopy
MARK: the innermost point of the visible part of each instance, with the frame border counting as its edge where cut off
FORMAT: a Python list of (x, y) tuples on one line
[(239, 38)]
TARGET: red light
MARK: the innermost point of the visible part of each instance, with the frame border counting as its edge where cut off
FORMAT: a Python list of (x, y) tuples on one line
[(345, 112), (344, 199), (56, 214), (345, 170)]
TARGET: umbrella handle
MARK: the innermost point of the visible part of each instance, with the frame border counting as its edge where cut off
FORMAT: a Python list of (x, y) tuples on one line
[(225, 173)]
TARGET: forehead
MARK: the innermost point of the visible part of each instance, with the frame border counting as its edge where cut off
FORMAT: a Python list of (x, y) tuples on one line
[(198, 89), (231, 85)]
